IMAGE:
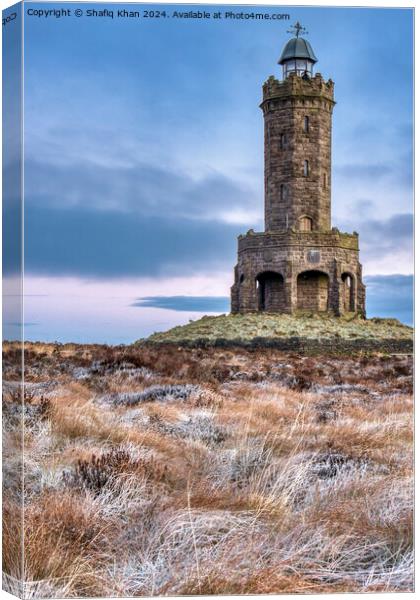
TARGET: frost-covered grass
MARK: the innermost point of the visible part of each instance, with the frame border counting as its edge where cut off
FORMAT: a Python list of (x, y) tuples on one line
[(268, 326), (176, 471), (154, 393)]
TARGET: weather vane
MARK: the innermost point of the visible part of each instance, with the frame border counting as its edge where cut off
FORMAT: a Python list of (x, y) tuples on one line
[(297, 29)]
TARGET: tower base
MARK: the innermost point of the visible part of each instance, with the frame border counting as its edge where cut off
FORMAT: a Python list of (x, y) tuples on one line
[(289, 272)]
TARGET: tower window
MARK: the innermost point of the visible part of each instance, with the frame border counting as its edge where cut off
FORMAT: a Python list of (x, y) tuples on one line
[(306, 124), (306, 168), (305, 224), (325, 181), (302, 68), (282, 141), (282, 192)]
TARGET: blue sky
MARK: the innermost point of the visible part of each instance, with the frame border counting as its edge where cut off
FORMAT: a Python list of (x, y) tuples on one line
[(144, 159)]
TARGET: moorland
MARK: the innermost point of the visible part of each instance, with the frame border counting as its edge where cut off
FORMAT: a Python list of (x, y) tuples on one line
[(159, 469)]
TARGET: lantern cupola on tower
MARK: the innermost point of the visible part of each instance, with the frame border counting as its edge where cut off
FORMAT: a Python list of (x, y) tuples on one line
[(297, 56)]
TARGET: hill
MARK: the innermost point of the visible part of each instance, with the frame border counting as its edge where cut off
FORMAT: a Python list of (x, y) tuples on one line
[(295, 333)]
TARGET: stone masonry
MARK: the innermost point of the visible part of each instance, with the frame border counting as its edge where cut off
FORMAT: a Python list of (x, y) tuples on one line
[(298, 263)]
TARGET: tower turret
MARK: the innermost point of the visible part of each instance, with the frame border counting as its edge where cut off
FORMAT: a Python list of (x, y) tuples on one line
[(297, 143)]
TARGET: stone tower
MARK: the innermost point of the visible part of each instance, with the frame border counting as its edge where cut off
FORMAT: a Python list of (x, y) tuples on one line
[(298, 263)]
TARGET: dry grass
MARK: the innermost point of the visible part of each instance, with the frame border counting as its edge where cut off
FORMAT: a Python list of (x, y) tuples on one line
[(247, 327), (168, 471)]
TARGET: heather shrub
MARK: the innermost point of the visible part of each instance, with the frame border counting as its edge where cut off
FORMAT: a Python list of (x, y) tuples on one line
[(97, 472)]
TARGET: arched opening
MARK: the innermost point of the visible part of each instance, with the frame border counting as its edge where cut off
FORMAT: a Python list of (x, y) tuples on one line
[(305, 224), (306, 124), (242, 278), (306, 168), (312, 291), (270, 290), (347, 291)]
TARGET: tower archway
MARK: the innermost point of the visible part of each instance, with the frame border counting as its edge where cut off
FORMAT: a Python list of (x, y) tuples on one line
[(270, 292), (312, 291), (347, 292)]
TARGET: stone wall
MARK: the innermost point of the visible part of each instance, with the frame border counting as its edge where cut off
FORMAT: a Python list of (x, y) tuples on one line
[(312, 291), (290, 255), (297, 128)]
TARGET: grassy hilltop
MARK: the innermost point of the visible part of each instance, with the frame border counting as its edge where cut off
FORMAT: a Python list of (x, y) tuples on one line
[(270, 329)]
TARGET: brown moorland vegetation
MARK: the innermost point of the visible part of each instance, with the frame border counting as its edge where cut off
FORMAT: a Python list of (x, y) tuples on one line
[(166, 470)]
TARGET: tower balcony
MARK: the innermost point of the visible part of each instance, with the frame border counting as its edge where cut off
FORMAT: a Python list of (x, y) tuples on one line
[(295, 86)]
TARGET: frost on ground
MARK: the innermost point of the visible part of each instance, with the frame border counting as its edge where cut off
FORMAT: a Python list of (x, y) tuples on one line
[(175, 471)]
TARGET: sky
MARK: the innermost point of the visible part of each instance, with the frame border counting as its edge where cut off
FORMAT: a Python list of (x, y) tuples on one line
[(144, 160)]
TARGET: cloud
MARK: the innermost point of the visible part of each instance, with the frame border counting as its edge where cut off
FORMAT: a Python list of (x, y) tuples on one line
[(129, 180), (142, 189), (12, 237), (398, 172), (365, 171), (110, 244), (388, 233), (384, 238), (387, 296), (390, 296), (217, 304), (18, 324), (101, 310), (386, 245), (142, 220)]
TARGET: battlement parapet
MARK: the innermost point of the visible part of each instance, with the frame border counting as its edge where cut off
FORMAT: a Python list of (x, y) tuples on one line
[(299, 87), (334, 238)]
